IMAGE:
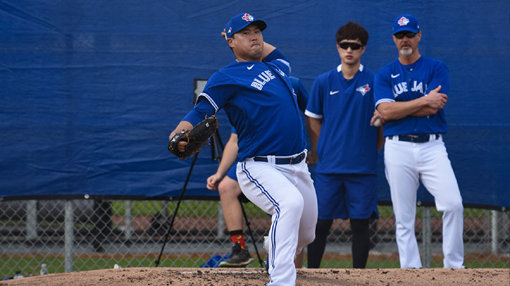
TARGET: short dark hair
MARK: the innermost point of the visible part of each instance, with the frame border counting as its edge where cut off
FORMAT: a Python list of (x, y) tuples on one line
[(352, 31)]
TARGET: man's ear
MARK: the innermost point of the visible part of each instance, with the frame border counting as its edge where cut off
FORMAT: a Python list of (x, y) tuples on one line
[(229, 41), (338, 48)]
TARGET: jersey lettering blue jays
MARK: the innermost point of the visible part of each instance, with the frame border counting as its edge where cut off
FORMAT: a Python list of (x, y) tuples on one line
[(263, 78), (398, 82), (347, 143), (261, 105)]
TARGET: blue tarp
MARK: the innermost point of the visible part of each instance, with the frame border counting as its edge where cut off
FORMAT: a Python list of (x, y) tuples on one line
[(90, 90)]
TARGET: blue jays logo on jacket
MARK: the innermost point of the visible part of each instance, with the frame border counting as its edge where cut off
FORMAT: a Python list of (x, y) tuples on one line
[(363, 89)]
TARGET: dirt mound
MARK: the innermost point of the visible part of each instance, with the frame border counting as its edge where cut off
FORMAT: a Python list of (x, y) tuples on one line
[(257, 276)]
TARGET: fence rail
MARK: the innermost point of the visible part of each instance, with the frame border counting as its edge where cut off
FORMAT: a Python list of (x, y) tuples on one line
[(80, 235)]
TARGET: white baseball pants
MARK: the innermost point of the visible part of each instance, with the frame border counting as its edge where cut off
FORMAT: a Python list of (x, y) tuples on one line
[(406, 163), (285, 192)]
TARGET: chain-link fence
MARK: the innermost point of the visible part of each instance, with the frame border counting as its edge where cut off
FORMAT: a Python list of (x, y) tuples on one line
[(79, 235)]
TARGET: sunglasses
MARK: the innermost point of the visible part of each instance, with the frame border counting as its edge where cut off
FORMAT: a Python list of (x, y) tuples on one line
[(353, 46), (409, 35)]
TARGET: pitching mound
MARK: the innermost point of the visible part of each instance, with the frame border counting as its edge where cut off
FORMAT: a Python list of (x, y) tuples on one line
[(256, 276)]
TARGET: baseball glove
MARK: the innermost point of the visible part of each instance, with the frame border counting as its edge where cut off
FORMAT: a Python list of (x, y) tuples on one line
[(196, 138)]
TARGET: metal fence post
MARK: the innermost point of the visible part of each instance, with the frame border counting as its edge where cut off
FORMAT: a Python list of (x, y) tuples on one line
[(426, 236), (505, 231), (494, 231), (68, 236), (31, 226), (128, 231), (221, 223)]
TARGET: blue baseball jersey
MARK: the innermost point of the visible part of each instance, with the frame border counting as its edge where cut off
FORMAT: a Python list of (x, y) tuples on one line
[(347, 143), (300, 91), (302, 99), (398, 82), (261, 105)]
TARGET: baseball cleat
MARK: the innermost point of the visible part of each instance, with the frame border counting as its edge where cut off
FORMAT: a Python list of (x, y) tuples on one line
[(238, 258)]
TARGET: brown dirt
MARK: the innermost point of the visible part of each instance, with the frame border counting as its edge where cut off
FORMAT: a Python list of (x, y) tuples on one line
[(256, 276)]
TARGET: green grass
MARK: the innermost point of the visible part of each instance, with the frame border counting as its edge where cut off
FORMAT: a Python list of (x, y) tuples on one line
[(9, 266), (196, 208), (348, 264), (486, 264), (32, 265)]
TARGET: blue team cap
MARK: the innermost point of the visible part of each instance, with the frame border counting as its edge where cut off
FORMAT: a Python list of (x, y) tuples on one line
[(405, 22), (241, 21)]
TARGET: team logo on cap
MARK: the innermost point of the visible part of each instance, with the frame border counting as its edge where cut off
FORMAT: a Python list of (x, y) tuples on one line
[(363, 89), (403, 21), (247, 17), (229, 30)]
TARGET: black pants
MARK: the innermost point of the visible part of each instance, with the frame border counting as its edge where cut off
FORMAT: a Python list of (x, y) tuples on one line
[(102, 220), (360, 242)]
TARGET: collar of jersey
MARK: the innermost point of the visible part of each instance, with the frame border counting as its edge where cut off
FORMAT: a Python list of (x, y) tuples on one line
[(413, 65), (339, 68)]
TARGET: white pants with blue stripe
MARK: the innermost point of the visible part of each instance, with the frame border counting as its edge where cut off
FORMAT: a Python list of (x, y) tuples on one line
[(285, 192), (406, 164)]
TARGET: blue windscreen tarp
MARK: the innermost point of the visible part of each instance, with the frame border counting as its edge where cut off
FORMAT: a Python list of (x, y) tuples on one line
[(90, 90)]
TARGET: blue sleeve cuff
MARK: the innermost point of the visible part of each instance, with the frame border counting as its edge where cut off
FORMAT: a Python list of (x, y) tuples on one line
[(194, 117), (203, 109)]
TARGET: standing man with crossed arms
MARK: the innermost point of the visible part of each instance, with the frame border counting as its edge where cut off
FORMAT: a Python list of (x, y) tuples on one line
[(339, 110), (258, 97), (410, 94), (225, 181)]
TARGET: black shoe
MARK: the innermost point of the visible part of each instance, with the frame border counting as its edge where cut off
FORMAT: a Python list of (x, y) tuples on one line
[(238, 257)]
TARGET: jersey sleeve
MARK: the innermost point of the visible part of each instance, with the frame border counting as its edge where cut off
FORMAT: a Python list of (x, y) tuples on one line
[(439, 77), (315, 100), (217, 90), (277, 58), (195, 115), (382, 87)]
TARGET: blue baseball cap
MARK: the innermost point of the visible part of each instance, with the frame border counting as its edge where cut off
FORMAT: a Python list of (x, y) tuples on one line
[(241, 21), (405, 22)]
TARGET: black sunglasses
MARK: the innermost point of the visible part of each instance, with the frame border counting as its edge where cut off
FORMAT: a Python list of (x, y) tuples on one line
[(353, 46), (409, 35)]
